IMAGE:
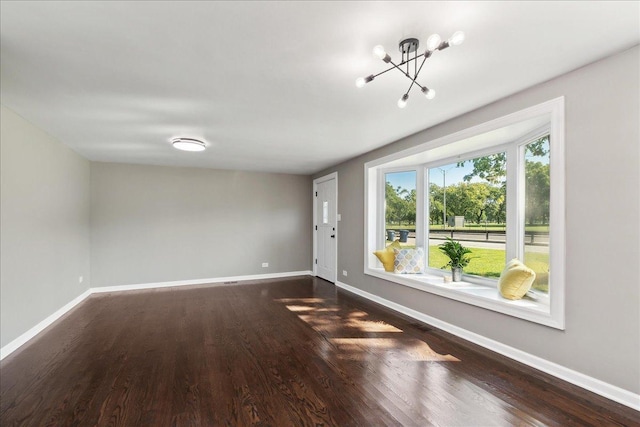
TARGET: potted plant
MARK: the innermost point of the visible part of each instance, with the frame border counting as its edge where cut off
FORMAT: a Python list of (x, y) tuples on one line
[(458, 257)]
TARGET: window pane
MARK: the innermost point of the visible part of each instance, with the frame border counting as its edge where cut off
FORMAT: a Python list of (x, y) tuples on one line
[(468, 202), (400, 207), (325, 212), (536, 229)]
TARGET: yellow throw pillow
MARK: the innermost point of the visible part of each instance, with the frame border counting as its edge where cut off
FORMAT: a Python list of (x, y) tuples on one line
[(387, 257), (516, 280), (395, 244)]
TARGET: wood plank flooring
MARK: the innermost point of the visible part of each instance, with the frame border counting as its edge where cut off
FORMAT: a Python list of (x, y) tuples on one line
[(287, 352)]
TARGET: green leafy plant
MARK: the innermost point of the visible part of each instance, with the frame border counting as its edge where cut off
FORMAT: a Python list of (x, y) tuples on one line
[(458, 254)]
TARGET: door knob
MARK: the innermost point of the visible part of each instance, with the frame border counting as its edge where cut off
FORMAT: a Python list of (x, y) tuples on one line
[(333, 236)]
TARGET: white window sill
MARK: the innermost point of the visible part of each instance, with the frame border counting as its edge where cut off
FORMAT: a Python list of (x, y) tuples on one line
[(475, 294)]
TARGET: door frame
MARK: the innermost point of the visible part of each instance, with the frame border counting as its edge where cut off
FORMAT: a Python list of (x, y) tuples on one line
[(333, 175)]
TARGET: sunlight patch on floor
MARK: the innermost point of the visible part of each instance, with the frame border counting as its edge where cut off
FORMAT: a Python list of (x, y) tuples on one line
[(399, 348), (352, 335), (370, 325)]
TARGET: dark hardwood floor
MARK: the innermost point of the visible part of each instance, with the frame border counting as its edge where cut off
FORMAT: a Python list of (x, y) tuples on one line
[(288, 352)]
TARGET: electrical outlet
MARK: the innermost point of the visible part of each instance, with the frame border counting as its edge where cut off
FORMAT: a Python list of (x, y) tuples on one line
[(265, 264), (344, 273), (80, 279)]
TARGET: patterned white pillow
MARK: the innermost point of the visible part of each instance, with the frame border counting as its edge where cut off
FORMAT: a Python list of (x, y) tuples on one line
[(409, 261)]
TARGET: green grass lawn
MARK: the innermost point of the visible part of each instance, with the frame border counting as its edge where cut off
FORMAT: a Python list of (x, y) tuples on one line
[(491, 262)]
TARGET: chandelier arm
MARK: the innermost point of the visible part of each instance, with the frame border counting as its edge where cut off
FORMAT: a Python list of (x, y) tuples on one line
[(382, 72), (420, 69), (412, 59), (399, 65), (400, 69), (394, 66), (414, 79), (408, 53)]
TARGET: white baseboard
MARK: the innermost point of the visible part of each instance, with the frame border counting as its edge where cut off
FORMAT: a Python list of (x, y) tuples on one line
[(22, 339), (597, 386), (139, 286)]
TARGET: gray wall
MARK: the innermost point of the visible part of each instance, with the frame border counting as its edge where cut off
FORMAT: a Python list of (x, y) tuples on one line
[(155, 224), (44, 222), (602, 336)]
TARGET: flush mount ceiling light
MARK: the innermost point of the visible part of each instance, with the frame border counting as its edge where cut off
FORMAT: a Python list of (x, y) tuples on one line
[(188, 144), (407, 48)]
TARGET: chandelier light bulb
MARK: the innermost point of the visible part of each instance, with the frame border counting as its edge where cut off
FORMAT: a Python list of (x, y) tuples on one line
[(361, 81), (379, 51), (457, 38), (433, 42), (402, 102), (429, 93)]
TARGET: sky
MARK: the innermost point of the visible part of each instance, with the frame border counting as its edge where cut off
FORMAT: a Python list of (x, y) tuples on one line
[(454, 175)]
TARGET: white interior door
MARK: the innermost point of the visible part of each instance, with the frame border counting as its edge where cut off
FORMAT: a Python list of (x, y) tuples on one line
[(326, 229)]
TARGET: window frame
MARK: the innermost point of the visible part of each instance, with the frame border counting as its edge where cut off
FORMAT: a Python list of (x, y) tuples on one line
[(547, 309)]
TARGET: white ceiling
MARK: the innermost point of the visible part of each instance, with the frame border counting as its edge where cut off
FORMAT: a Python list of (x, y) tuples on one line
[(270, 85)]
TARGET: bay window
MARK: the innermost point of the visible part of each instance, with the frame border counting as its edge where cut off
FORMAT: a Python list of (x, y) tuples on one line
[(497, 188)]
